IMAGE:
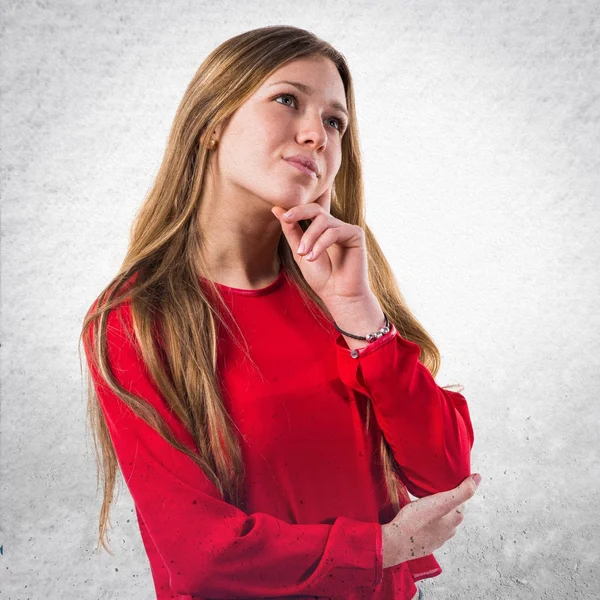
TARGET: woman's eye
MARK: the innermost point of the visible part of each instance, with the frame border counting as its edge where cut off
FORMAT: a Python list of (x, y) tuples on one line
[(340, 125), (340, 122), (286, 96)]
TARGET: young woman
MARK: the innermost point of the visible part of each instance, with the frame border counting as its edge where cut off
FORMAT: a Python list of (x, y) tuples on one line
[(269, 406)]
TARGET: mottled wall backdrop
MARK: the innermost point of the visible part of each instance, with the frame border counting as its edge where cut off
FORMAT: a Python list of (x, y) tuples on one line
[(480, 130)]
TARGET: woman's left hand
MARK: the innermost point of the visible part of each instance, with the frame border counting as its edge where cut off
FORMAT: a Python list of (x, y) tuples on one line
[(337, 270)]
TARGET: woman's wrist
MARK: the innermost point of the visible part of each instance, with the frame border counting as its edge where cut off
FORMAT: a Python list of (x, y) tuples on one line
[(386, 547), (392, 544), (359, 317)]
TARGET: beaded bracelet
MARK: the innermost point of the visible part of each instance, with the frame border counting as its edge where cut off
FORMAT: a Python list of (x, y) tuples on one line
[(371, 337)]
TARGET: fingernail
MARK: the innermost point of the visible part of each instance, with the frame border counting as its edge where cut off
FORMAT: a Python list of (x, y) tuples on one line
[(287, 214), (301, 248), (476, 479)]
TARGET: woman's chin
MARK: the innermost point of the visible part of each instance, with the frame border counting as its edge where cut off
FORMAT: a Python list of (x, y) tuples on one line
[(296, 194)]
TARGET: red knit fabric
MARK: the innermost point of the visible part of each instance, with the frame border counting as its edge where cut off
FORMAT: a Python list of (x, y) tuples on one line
[(315, 496)]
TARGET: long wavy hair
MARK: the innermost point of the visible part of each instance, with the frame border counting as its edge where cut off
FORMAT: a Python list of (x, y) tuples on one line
[(160, 273)]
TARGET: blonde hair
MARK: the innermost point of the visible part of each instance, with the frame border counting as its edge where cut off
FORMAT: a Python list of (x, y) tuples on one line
[(161, 270)]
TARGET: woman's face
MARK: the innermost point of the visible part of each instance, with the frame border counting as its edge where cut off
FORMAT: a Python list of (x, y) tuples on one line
[(280, 121)]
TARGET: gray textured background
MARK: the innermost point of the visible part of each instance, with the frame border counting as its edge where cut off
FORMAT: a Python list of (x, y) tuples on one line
[(479, 127)]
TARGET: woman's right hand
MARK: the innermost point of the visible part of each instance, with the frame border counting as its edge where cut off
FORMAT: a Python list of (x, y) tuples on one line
[(425, 524)]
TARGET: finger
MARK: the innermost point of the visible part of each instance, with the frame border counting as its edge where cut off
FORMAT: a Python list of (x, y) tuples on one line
[(301, 212), (452, 520), (455, 387), (292, 231), (315, 231), (445, 502), (463, 508), (329, 237)]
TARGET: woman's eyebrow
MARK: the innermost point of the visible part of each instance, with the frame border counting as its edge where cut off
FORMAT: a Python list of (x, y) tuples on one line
[(308, 90)]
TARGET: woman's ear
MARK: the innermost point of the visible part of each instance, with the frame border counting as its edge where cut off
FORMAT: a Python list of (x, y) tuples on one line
[(216, 134)]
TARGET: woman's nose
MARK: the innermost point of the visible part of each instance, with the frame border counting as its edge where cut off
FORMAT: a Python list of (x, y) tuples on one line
[(311, 128)]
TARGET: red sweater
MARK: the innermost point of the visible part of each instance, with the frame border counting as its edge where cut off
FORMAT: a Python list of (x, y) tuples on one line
[(315, 497)]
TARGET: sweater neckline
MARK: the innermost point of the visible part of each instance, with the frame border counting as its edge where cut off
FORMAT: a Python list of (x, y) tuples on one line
[(253, 292)]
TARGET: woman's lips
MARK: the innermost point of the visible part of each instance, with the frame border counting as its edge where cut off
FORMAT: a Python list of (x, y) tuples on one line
[(302, 168)]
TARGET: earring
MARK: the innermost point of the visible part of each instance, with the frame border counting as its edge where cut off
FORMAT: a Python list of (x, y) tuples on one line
[(212, 143)]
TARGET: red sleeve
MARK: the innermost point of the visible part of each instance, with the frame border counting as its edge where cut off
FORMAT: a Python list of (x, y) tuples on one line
[(428, 428), (210, 547)]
